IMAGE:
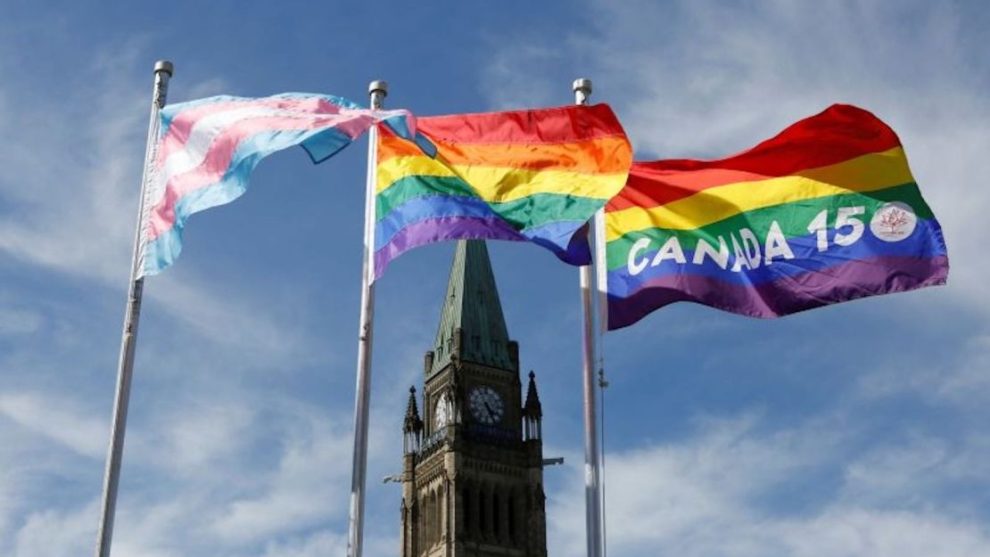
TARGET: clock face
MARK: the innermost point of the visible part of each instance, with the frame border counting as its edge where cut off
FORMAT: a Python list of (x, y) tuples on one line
[(441, 417), (486, 405)]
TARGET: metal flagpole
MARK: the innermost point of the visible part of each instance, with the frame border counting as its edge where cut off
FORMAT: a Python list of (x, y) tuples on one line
[(602, 385), (376, 91), (125, 364), (592, 501), (601, 282)]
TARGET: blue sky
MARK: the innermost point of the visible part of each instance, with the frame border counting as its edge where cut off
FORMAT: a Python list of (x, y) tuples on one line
[(857, 429)]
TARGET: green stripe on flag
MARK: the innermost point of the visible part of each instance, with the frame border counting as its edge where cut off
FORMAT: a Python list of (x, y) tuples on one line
[(793, 219), (524, 213)]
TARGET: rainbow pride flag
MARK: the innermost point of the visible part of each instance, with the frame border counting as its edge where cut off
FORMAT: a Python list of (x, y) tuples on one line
[(205, 151), (826, 211), (531, 175)]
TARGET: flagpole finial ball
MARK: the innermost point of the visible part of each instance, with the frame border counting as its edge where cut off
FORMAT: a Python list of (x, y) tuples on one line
[(582, 84), (164, 66), (378, 86)]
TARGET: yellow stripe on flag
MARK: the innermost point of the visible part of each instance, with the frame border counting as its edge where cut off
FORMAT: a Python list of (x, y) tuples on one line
[(500, 184), (872, 172)]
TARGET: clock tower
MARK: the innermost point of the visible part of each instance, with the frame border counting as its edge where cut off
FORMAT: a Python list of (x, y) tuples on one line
[(472, 481)]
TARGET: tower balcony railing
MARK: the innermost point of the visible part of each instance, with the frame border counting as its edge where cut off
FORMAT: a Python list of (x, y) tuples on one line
[(431, 443)]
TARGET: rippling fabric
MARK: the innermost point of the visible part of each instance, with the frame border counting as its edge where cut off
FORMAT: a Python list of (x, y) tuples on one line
[(205, 151), (826, 211), (532, 175)]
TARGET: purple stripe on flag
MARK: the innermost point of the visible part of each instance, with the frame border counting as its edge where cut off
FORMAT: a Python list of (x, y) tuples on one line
[(855, 279), (444, 228)]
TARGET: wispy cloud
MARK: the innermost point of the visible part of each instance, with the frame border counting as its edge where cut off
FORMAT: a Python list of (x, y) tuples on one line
[(296, 495), (55, 532), (16, 321), (55, 420), (71, 210), (960, 379), (213, 480), (720, 493)]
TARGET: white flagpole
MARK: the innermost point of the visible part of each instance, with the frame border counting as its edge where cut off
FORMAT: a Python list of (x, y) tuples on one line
[(125, 365), (376, 91), (601, 282), (592, 501)]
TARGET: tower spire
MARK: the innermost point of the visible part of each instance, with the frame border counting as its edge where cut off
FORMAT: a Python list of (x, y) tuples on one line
[(472, 327), (413, 421), (472, 474), (412, 427), (532, 412), (533, 407)]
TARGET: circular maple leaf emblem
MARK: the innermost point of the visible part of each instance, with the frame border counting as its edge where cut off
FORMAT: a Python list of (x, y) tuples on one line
[(893, 221)]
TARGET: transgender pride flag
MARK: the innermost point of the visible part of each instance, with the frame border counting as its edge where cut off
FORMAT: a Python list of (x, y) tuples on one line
[(205, 151)]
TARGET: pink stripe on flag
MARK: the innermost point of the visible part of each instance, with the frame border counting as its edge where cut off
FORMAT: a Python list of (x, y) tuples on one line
[(183, 122), (217, 161)]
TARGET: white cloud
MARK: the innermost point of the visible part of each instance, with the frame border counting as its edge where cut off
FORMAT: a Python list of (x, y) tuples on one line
[(233, 319), (713, 494), (855, 531), (969, 382), (317, 545), (146, 532), (324, 543), (71, 218), (16, 321), (206, 433), (56, 533), (913, 472), (960, 379), (57, 419), (310, 475), (205, 474), (507, 88)]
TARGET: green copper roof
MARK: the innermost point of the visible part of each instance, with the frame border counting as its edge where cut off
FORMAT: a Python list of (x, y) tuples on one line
[(472, 305)]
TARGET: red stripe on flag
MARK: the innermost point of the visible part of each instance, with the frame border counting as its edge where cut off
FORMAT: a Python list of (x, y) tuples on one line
[(548, 125), (839, 133)]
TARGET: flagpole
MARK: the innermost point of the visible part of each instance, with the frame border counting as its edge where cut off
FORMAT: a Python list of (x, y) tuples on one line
[(592, 502), (376, 91), (601, 307), (125, 364)]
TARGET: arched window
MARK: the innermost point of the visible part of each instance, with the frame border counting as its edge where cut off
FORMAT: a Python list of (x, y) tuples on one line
[(435, 523), (421, 522), (427, 512), (512, 518), (496, 525), (441, 515), (466, 509), (482, 514)]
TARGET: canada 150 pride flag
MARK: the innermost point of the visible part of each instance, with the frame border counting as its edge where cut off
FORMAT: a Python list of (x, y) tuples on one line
[(205, 151), (528, 175), (824, 212)]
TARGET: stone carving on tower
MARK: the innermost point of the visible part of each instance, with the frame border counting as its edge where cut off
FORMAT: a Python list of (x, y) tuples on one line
[(472, 482)]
